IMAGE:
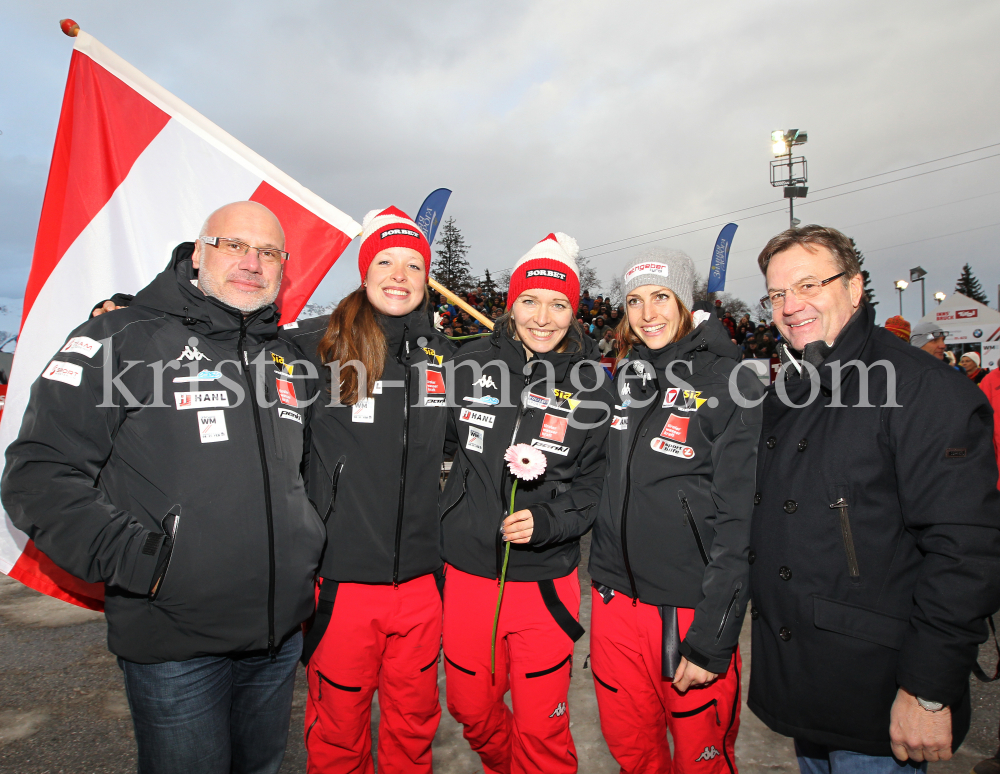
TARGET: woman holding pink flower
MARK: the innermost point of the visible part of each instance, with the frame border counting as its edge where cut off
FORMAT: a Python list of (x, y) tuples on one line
[(532, 391)]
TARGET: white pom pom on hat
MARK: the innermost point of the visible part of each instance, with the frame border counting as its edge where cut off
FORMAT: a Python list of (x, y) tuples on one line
[(550, 264)]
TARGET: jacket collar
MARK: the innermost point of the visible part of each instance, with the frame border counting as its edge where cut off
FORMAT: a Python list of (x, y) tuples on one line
[(511, 351), (403, 333), (848, 345), (173, 292), (709, 340)]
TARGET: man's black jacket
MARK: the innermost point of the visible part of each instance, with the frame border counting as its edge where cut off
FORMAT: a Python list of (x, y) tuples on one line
[(875, 541), (375, 468), (681, 467), (567, 418), (193, 512)]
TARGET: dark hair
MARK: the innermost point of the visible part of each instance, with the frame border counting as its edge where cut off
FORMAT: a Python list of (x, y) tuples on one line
[(626, 338), (810, 237)]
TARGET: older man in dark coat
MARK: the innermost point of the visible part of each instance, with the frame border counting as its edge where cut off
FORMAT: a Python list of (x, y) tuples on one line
[(875, 545)]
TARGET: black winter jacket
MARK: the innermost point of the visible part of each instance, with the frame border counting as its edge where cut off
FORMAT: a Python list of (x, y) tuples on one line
[(553, 417), (193, 512), (375, 469), (875, 542), (681, 469)]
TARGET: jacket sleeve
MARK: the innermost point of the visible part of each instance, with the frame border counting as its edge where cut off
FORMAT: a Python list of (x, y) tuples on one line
[(942, 440), (718, 618), (572, 513), (49, 484)]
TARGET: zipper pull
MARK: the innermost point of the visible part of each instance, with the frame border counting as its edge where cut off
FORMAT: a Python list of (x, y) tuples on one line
[(841, 503)]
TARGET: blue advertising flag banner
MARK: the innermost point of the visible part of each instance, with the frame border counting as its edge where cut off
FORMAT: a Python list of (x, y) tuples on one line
[(431, 211), (720, 257)]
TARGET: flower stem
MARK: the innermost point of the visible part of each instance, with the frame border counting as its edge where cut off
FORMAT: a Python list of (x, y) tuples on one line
[(503, 578)]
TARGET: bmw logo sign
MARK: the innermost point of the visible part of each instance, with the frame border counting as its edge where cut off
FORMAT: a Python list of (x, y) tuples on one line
[(978, 333)]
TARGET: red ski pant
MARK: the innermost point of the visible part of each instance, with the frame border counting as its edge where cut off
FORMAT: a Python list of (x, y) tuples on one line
[(385, 638), (534, 659), (637, 705)]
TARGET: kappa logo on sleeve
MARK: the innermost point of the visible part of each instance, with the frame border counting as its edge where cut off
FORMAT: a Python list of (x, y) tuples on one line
[(207, 399), (676, 428), (61, 371), (212, 426), (82, 344), (672, 448), (477, 417), (295, 416), (475, 439), (286, 392)]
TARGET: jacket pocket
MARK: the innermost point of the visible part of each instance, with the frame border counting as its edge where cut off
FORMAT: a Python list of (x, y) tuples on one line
[(689, 518), (860, 622), (170, 525), (711, 705), (842, 507), (465, 489), (733, 602), (335, 481)]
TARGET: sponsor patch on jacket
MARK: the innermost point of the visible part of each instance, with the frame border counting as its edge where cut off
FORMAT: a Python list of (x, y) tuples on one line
[(281, 365), (363, 411), (435, 400), (477, 417), (670, 396), (548, 446), (295, 416), (290, 326), (286, 392), (486, 400), (206, 399), (672, 448), (435, 382), (676, 428), (203, 376), (554, 428), (559, 275), (475, 440), (692, 401), (82, 344), (536, 402), (61, 371), (212, 426), (953, 453), (619, 423), (433, 355)]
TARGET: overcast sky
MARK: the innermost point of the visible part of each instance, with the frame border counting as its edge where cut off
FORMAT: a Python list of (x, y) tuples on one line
[(604, 120)]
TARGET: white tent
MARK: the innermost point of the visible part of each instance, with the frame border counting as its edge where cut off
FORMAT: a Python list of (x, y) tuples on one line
[(969, 322)]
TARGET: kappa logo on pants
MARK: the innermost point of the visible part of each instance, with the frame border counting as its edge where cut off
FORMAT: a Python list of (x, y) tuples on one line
[(707, 754), (559, 711)]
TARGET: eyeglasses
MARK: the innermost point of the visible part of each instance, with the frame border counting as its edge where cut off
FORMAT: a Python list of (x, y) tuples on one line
[(237, 249), (806, 289)]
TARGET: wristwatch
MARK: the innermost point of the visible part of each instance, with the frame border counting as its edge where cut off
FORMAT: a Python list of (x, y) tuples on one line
[(930, 706)]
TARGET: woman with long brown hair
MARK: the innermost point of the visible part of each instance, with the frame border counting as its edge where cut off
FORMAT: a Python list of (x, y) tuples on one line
[(669, 558), (374, 472)]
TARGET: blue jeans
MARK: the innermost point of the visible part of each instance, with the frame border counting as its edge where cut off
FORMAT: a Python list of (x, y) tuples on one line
[(819, 759), (214, 714)]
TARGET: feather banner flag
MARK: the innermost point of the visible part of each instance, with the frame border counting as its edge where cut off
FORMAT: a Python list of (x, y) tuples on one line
[(720, 258), (135, 172)]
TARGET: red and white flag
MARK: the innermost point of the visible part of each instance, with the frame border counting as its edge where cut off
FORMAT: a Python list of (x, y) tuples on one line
[(134, 173)]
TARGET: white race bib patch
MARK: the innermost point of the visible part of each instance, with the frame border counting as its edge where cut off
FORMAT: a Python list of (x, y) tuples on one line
[(207, 399), (82, 344), (672, 448), (475, 440), (295, 416), (363, 411), (212, 426), (61, 371), (477, 417), (550, 447), (377, 388)]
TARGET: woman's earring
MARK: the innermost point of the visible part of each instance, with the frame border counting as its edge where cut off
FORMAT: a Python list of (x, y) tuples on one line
[(364, 283)]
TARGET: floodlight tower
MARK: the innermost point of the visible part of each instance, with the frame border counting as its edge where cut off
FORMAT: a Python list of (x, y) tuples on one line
[(790, 173), (901, 285)]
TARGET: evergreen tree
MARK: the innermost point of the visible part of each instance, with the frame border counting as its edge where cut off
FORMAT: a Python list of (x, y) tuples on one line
[(489, 286), (969, 286), (452, 269), (867, 286), (588, 276)]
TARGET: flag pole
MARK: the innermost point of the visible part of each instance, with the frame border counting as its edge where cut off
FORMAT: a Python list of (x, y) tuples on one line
[(69, 27), (465, 307)]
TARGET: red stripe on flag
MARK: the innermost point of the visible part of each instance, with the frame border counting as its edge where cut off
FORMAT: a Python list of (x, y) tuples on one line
[(103, 128), (313, 244), (36, 570)]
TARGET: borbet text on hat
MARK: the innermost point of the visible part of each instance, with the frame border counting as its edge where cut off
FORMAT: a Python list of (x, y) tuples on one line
[(391, 227), (551, 264)]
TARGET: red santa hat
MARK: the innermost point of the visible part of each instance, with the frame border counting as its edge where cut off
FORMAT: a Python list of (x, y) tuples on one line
[(551, 264), (391, 227)]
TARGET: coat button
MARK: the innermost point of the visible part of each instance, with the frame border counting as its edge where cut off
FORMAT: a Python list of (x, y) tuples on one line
[(752, 556), (791, 506), (754, 615), (785, 633), (803, 444), (756, 499), (771, 442), (785, 573)]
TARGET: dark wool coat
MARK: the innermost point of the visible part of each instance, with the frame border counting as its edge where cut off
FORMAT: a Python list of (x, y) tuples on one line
[(875, 541)]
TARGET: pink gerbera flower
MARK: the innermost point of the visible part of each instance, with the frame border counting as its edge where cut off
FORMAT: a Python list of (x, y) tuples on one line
[(525, 462)]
